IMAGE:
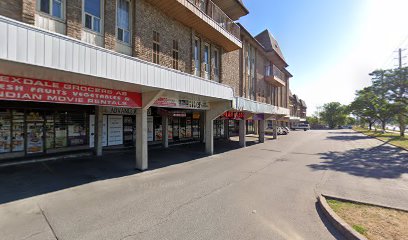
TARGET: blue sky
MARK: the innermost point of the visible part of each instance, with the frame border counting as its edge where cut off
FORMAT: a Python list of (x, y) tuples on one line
[(331, 45)]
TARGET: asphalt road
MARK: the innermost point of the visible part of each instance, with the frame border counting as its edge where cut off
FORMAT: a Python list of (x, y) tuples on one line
[(265, 191)]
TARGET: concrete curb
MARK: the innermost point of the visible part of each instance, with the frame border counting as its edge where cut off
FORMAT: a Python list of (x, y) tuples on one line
[(345, 229)]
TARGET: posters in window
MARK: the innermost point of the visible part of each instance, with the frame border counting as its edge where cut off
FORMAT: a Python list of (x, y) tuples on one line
[(150, 131)]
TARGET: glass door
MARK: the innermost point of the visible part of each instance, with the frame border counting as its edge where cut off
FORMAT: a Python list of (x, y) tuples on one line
[(35, 133)]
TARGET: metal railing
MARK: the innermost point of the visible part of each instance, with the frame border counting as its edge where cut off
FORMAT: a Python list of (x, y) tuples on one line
[(214, 12), (272, 70)]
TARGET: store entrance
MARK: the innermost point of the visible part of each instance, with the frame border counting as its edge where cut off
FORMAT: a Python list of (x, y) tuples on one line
[(35, 133)]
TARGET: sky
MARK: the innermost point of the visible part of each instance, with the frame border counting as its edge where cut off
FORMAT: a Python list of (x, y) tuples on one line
[(332, 45)]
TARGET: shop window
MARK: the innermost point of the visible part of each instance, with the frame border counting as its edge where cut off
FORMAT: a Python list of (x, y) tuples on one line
[(123, 21), (52, 7), (156, 47), (92, 15), (76, 123), (5, 131)]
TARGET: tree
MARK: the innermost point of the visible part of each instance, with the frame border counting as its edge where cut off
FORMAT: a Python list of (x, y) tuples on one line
[(393, 84), (371, 104), (334, 114)]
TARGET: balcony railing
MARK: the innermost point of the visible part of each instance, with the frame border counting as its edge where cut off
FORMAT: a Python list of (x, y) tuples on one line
[(272, 70), (214, 12)]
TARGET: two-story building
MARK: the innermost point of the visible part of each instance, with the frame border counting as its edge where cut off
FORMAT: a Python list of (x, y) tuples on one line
[(298, 109), (83, 75)]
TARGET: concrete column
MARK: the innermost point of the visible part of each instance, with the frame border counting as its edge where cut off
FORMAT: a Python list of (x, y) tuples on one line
[(202, 127), (98, 130), (141, 139), (242, 132), (209, 134), (275, 129), (226, 129), (165, 133), (261, 131)]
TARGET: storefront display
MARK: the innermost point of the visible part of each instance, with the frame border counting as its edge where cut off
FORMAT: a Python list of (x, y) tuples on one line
[(115, 130), (5, 131), (35, 131), (128, 129), (150, 130), (17, 137)]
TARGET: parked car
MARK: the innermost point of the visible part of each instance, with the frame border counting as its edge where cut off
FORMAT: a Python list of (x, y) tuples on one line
[(282, 131), (287, 129), (301, 126)]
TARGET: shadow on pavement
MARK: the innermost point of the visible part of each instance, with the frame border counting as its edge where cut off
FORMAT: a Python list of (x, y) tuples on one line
[(19, 182), (329, 226), (348, 137), (383, 161)]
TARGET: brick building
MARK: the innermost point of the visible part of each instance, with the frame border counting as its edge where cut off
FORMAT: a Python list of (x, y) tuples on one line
[(84, 75)]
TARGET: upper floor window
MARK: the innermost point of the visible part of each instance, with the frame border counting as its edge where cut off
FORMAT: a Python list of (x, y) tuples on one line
[(216, 65), (92, 15), (197, 62), (156, 47), (123, 21), (175, 54), (52, 7), (207, 61)]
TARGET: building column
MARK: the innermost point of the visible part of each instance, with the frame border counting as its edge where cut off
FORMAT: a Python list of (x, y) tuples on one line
[(165, 132), (242, 132), (209, 134), (148, 98), (275, 129), (98, 130), (202, 126), (226, 129), (261, 131), (141, 139)]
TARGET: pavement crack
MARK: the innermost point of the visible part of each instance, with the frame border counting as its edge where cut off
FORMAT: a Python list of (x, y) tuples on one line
[(48, 222), (32, 235)]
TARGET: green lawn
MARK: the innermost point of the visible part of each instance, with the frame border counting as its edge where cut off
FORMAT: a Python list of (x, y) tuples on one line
[(391, 138)]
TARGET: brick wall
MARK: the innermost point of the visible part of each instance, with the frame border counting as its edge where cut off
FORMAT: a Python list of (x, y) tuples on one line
[(149, 19), (11, 9), (110, 24), (28, 11), (230, 74), (74, 18)]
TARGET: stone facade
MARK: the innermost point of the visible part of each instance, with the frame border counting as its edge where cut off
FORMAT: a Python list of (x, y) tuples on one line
[(149, 19), (230, 74), (74, 18), (12, 9), (110, 25)]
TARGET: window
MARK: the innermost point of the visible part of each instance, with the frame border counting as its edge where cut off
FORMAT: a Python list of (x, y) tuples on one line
[(207, 61), (216, 65), (123, 21), (175, 54), (93, 9), (52, 7), (156, 47), (197, 62)]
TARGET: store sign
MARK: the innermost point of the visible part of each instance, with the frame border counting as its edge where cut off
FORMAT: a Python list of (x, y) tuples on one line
[(119, 111), (180, 103), (258, 117), (27, 89), (234, 115)]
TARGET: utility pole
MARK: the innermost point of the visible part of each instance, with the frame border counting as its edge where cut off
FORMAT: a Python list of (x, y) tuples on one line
[(400, 57)]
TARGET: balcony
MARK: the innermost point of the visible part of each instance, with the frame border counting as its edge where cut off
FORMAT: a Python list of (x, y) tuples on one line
[(274, 76), (206, 18)]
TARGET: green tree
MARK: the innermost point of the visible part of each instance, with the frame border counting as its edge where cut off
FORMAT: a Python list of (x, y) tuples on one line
[(393, 85), (371, 104), (334, 114)]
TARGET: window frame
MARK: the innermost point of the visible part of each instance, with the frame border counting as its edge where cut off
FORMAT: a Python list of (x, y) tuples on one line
[(50, 14), (207, 63), (197, 57), (130, 24), (176, 55), (216, 64), (156, 45), (101, 19)]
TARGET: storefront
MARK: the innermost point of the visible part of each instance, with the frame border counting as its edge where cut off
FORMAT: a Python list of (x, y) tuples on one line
[(39, 117), (30, 129), (183, 120), (233, 122), (183, 125)]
